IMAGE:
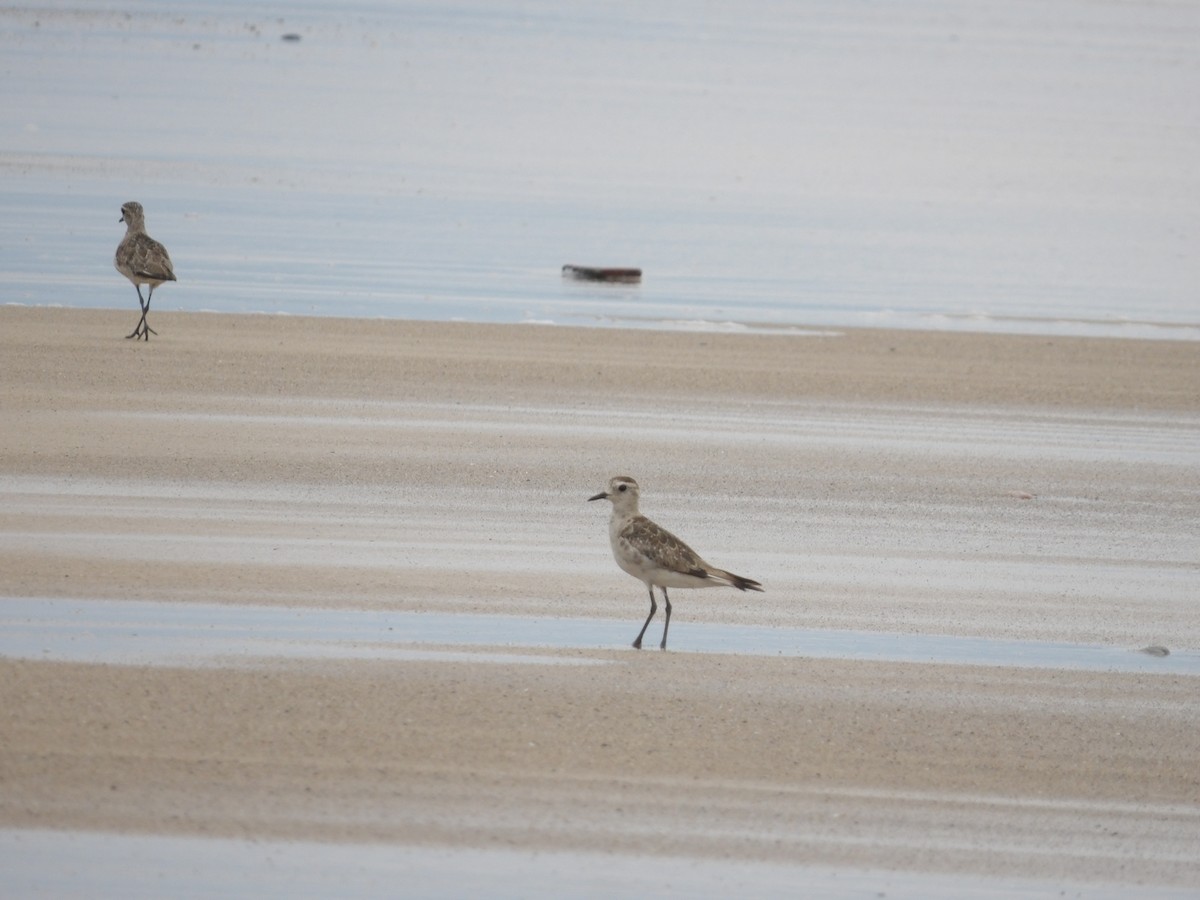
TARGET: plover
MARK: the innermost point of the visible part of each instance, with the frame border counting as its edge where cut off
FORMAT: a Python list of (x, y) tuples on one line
[(142, 260), (654, 556)]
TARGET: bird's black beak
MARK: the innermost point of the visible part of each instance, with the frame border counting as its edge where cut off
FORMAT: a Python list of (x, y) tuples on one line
[(600, 496)]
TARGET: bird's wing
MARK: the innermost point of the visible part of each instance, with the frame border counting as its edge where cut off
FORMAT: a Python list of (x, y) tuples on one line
[(149, 259), (661, 548)]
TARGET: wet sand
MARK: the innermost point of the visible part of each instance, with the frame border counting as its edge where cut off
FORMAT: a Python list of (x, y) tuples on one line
[(899, 482)]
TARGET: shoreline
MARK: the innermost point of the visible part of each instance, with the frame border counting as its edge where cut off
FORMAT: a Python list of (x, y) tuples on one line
[(872, 365)]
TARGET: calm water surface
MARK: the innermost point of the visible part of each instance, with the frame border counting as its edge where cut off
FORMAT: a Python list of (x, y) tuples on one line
[(143, 633), (1007, 166)]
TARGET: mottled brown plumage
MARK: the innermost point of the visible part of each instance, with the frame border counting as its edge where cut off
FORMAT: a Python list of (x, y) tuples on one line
[(654, 556), (142, 260), (657, 547)]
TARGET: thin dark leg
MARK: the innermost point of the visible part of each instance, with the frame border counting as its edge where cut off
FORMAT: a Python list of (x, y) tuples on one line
[(145, 312), (137, 332), (637, 643), (143, 329), (667, 623)]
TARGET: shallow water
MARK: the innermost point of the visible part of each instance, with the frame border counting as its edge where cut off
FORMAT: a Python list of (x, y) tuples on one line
[(191, 634), (136, 866), (1004, 168)]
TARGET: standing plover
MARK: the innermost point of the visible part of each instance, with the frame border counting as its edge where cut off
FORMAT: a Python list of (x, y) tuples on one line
[(142, 260), (653, 555)]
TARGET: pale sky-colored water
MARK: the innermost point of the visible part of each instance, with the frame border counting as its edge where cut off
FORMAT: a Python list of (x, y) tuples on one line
[(181, 634), (994, 166), (84, 864)]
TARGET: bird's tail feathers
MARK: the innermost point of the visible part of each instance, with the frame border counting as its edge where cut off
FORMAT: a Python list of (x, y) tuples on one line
[(737, 581)]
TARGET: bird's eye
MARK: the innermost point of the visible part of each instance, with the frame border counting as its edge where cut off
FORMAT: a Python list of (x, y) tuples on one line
[(622, 487)]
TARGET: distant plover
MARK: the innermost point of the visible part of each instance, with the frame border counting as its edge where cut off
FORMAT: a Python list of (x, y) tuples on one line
[(142, 260), (654, 556)]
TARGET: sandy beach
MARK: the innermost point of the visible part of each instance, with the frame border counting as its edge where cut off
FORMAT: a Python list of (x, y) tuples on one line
[(885, 482)]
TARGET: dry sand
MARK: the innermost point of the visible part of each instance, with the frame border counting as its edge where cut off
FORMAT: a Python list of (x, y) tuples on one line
[(1021, 487)]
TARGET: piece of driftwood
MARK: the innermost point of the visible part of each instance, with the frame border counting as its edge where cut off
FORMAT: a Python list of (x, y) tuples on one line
[(596, 273)]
